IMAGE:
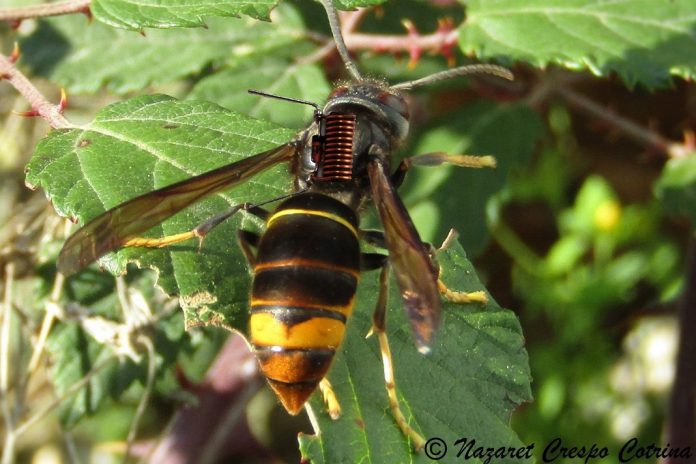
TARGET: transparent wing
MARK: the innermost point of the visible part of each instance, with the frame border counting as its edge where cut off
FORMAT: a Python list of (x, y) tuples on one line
[(414, 270), (112, 229)]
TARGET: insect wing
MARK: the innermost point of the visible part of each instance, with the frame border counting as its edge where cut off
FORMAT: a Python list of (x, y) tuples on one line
[(112, 229), (415, 272)]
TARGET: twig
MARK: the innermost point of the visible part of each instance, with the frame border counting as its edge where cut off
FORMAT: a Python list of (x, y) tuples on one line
[(631, 129), (47, 323), (400, 43), (10, 432), (43, 10), (74, 388), (442, 41), (39, 104), (151, 366), (681, 429)]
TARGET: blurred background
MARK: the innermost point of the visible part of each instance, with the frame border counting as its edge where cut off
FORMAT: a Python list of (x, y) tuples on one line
[(570, 235)]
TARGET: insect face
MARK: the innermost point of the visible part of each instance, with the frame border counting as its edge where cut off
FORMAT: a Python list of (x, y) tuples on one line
[(383, 111)]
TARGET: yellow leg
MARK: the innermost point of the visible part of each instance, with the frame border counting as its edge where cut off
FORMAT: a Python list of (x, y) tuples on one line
[(389, 382), (378, 327), (332, 405), (198, 232), (164, 241), (454, 296), (461, 297)]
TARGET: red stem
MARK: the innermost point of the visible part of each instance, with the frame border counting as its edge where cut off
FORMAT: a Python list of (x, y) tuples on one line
[(43, 10), (39, 104)]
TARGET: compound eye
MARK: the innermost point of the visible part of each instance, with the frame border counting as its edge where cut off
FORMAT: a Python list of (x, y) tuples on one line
[(395, 102), (338, 92)]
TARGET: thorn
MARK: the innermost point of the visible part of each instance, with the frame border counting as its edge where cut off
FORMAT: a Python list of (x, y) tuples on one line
[(14, 56), (26, 114), (4, 76), (142, 32), (14, 24), (88, 12), (63, 101), (414, 50), (444, 27)]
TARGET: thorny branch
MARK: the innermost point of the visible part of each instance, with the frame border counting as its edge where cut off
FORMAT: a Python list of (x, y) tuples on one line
[(443, 41), (631, 129), (17, 14), (40, 105)]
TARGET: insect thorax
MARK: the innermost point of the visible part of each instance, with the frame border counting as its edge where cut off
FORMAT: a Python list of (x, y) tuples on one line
[(359, 121)]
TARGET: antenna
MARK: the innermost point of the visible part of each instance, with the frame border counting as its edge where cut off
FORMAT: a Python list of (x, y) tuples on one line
[(279, 97), (338, 38), (491, 69)]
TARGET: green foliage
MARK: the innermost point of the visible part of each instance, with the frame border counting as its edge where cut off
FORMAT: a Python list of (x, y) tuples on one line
[(474, 129), (677, 187), (604, 252), (84, 56), (577, 294), (174, 13), (644, 42), (79, 352), (154, 141), (280, 76)]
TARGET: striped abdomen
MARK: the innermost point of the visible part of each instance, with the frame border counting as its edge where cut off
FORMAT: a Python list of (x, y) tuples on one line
[(305, 278)]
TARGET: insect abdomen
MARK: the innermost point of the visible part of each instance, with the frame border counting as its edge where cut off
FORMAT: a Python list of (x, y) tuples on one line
[(305, 277)]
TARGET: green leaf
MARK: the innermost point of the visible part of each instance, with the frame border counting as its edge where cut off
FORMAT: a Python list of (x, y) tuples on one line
[(131, 14), (229, 88), (83, 57), (643, 41), (676, 187), (75, 353), (457, 196), (476, 375), (350, 4), (139, 145)]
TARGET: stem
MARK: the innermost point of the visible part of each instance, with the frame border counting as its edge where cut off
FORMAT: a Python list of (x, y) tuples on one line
[(47, 323), (630, 128), (44, 10), (681, 429), (74, 388), (151, 366), (47, 110), (517, 249), (11, 432), (399, 43), (436, 42)]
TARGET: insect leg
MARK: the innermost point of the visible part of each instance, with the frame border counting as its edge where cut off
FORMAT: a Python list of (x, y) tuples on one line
[(460, 297), (247, 241), (372, 261), (455, 296), (374, 238), (330, 399), (438, 158), (200, 231), (379, 327)]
